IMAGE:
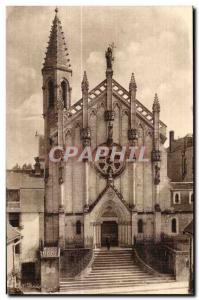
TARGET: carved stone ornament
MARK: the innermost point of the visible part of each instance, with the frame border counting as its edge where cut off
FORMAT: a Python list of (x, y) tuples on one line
[(109, 115), (85, 134), (157, 208), (155, 155), (132, 134), (108, 168), (157, 175)]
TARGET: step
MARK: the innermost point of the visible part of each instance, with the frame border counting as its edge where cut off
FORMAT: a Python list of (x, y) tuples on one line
[(150, 289), (118, 276), (111, 284), (113, 262), (88, 280), (113, 267), (114, 273), (111, 275), (113, 259), (108, 278), (113, 254), (105, 285)]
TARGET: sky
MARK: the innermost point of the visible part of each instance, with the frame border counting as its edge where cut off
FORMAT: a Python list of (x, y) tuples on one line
[(153, 42)]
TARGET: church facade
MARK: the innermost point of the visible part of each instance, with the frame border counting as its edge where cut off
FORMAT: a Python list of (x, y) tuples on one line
[(89, 201)]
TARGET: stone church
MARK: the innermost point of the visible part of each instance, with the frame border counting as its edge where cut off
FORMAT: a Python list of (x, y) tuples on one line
[(86, 202)]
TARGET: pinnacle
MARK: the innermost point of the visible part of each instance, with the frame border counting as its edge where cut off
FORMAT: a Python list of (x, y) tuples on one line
[(57, 55), (132, 84), (156, 104), (85, 84)]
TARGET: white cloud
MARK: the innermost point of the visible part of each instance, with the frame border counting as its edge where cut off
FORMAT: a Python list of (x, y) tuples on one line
[(94, 58)]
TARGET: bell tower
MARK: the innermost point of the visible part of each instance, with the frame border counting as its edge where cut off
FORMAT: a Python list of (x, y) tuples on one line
[(56, 70), (57, 76)]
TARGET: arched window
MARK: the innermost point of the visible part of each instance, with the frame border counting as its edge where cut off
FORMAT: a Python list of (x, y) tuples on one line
[(173, 226), (64, 93), (140, 226), (50, 94), (176, 198), (78, 227)]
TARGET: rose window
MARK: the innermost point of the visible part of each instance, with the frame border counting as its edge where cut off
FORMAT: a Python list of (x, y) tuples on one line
[(108, 167)]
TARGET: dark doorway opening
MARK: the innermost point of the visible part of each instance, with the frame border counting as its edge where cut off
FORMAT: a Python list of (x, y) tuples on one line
[(28, 272), (109, 229)]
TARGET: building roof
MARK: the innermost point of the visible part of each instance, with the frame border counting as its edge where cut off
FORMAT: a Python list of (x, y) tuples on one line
[(189, 228), (12, 233), (57, 51)]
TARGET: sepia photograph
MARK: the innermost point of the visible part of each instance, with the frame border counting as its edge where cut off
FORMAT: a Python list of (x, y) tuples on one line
[(99, 150)]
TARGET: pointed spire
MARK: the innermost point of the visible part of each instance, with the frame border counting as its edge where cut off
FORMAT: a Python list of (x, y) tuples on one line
[(85, 84), (57, 55), (132, 84), (156, 104)]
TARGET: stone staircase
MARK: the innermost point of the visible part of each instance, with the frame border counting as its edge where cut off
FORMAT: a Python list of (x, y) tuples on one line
[(112, 269)]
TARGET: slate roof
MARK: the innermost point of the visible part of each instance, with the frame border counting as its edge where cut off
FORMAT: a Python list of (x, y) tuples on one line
[(57, 51)]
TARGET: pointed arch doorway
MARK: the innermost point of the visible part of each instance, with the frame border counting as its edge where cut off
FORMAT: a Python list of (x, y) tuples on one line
[(109, 230)]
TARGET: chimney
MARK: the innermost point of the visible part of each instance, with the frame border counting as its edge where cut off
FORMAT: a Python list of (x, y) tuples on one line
[(171, 139)]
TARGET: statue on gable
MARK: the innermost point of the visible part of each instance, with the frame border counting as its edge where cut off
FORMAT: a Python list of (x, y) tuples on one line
[(109, 58)]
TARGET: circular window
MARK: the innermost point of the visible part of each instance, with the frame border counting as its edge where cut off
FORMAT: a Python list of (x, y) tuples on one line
[(108, 167)]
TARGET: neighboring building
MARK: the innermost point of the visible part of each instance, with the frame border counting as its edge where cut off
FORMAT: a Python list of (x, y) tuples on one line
[(180, 158), (180, 171), (13, 241), (25, 209)]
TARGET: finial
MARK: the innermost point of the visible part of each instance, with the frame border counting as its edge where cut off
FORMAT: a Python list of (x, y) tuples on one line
[(85, 84), (56, 10), (156, 104), (132, 84)]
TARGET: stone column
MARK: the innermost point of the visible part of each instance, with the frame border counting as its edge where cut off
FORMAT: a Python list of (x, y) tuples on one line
[(122, 231), (85, 135), (134, 226), (157, 226), (155, 157), (94, 235), (98, 233), (129, 235), (61, 228), (132, 131), (119, 234), (88, 230)]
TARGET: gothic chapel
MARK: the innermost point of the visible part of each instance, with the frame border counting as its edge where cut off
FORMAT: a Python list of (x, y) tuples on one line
[(87, 201)]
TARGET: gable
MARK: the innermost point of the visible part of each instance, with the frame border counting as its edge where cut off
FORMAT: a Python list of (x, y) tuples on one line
[(99, 93)]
